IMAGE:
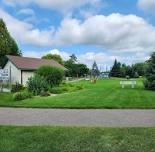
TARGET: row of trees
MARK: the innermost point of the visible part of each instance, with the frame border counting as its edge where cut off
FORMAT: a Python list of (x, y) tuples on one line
[(133, 71), (75, 69), (146, 69)]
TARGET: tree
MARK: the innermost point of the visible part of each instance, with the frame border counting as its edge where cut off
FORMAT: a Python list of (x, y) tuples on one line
[(55, 57), (75, 69), (73, 58), (72, 66), (116, 69), (82, 70), (140, 68), (72, 69), (123, 70), (95, 71), (150, 74), (8, 46)]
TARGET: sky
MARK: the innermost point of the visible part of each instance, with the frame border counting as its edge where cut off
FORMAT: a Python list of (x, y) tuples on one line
[(100, 30)]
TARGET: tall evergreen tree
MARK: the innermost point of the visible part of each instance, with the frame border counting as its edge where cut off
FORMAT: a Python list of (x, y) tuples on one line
[(95, 71), (8, 45), (116, 69), (150, 74)]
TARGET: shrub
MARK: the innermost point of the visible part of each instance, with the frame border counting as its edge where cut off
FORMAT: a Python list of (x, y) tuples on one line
[(21, 95), (37, 84), (65, 88), (149, 85), (150, 74), (79, 87), (52, 75), (63, 83), (56, 90), (17, 87), (70, 84), (44, 94)]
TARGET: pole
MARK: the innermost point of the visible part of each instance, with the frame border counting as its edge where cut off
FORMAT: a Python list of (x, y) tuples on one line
[(10, 78)]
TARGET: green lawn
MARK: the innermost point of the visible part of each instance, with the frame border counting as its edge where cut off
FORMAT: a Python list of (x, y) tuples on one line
[(103, 94), (76, 139)]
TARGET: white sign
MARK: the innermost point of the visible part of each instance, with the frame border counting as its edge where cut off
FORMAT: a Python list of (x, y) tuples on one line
[(4, 74)]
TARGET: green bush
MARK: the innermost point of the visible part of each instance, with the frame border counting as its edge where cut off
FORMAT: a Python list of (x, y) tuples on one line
[(52, 75), (17, 87), (37, 84), (68, 87), (63, 83), (56, 90), (21, 95), (79, 87), (70, 84), (65, 89)]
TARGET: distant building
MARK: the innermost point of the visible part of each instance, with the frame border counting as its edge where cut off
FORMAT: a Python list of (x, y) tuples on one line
[(104, 74), (22, 68)]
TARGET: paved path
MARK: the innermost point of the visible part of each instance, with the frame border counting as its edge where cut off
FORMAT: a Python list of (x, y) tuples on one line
[(72, 117)]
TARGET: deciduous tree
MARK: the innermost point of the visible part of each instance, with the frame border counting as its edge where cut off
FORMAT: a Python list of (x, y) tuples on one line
[(55, 57), (8, 46)]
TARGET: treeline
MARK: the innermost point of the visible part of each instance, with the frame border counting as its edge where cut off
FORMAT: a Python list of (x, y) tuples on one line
[(132, 71), (74, 69)]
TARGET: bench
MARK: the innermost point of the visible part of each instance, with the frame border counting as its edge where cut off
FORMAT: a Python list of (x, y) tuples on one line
[(128, 82)]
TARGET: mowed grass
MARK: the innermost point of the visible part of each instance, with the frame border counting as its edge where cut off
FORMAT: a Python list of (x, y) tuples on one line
[(76, 139), (103, 94)]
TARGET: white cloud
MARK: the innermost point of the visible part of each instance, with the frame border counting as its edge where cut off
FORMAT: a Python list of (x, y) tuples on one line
[(63, 54), (25, 33), (60, 5), (101, 58), (28, 15), (26, 11), (93, 56), (148, 5), (116, 32), (37, 54), (126, 33), (32, 54)]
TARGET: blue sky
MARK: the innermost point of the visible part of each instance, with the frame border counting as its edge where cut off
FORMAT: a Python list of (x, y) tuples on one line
[(100, 30)]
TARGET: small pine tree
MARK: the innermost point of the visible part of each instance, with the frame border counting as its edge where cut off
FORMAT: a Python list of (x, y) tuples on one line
[(150, 74), (8, 45)]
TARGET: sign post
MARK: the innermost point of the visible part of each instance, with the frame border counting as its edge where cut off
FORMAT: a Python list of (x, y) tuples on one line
[(4, 77)]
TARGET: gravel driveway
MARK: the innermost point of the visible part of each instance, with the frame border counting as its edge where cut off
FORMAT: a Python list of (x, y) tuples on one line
[(77, 117)]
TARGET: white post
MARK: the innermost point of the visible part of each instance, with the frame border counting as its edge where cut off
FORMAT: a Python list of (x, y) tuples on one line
[(132, 86), (123, 86)]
